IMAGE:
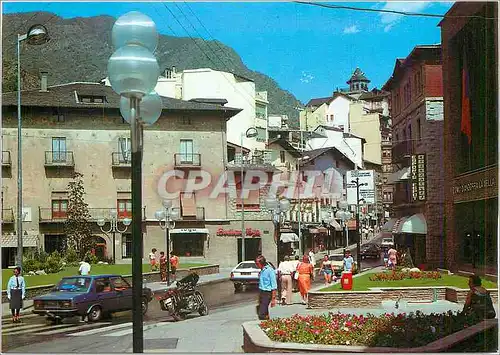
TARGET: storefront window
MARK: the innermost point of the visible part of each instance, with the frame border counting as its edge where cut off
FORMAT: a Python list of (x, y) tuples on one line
[(188, 244)]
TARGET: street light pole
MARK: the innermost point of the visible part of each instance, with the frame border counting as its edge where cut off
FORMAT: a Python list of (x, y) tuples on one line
[(166, 218), (113, 228), (358, 200), (37, 35)]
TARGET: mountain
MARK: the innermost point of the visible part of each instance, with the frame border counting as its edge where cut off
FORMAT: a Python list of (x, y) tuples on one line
[(79, 50)]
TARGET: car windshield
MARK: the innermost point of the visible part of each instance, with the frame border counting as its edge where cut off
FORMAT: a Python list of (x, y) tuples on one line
[(73, 284), (386, 240), (249, 265), (336, 257)]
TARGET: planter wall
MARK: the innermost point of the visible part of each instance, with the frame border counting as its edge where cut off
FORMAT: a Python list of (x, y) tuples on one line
[(256, 341), (35, 291), (373, 298)]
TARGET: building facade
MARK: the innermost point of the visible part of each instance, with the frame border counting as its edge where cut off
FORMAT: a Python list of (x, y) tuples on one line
[(77, 127), (469, 35), (417, 154)]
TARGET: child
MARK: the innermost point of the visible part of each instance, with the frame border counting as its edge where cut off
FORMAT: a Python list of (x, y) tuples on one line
[(386, 257)]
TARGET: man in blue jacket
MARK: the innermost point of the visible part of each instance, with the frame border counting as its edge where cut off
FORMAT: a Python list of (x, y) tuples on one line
[(267, 287)]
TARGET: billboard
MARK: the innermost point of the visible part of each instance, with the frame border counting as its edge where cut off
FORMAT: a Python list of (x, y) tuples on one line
[(366, 192)]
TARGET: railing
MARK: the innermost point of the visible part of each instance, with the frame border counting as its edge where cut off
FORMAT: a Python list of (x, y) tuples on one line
[(48, 215), (200, 214), (7, 215), (6, 161), (401, 151), (59, 158), (187, 159), (121, 159)]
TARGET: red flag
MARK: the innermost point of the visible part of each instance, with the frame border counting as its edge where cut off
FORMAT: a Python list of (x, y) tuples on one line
[(466, 124)]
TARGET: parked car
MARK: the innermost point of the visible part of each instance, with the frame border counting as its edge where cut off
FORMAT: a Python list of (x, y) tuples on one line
[(370, 250), (93, 296), (246, 273), (338, 264), (387, 243)]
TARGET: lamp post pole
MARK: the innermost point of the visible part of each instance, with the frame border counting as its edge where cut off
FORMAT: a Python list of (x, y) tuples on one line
[(37, 35), (358, 227), (166, 218), (113, 228)]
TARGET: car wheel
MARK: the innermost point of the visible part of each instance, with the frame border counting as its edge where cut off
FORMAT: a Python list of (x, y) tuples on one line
[(95, 314), (238, 287), (144, 305)]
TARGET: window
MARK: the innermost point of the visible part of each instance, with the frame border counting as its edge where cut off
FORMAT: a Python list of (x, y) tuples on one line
[(58, 149), (124, 149), (126, 246), (59, 209), (124, 208), (119, 284), (54, 243), (188, 244), (252, 201), (188, 205), (102, 285), (419, 130), (186, 120), (88, 99), (187, 152), (282, 156), (331, 118)]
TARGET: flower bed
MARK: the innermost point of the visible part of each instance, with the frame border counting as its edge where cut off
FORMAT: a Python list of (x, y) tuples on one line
[(399, 331), (402, 275)]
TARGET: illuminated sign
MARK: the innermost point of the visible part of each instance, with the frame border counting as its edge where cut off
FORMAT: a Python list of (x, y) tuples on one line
[(418, 177), (237, 232)]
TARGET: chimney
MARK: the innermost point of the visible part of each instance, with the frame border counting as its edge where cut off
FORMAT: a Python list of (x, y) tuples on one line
[(43, 82)]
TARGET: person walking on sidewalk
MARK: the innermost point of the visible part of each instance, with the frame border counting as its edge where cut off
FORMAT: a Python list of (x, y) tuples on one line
[(326, 269), (306, 274), (174, 264), (348, 261), (312, 259), (294, 264), (152, 260), (267, 287), (16, 290), (286, 269), (163, 267), (85, 267)]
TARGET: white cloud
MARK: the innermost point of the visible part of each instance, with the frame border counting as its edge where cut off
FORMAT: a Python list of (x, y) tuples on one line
[(351, 29), (389, 20), (306, 78)]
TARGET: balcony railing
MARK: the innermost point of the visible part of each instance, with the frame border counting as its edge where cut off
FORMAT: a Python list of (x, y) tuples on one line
[(48, 215), (7, 215), (59, 158), (401, 151), (119, 159), (187, 160), (6, 160), (200, 214)]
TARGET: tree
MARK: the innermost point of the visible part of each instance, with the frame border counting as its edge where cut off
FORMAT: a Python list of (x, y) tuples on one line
[(77, 227)]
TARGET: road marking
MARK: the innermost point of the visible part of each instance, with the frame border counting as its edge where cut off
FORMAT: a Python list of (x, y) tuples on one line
[(95, 331), (13, 328), (77, 327), (23, 316), (41, 327)]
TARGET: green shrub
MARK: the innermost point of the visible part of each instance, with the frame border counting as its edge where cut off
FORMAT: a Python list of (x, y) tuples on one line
[(92, 258), (54, 263), (71, 256), (32, 265)]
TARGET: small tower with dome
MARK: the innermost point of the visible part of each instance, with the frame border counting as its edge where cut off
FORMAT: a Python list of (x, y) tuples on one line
[(358, 82)]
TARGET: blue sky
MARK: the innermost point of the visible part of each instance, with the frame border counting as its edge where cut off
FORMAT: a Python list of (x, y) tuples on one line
[(308, 50)]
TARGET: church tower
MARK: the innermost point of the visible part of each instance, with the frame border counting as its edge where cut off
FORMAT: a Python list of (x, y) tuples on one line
[(358, 82)]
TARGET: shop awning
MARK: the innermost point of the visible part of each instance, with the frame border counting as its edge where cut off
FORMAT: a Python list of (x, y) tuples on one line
[(335, 225), (400, 175), (10, 241), (289, 237), (397, 226), (189, 231), (415, 224), (387, 227)]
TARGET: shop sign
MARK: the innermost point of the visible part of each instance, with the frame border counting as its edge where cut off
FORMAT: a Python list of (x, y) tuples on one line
[(476, 186), (418, 177), (237, 232)]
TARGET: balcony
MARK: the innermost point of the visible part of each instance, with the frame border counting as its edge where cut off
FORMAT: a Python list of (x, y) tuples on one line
[(47, 215), (7, 215), (121, 160), (6, 160), (401, 151), (187, 160), (259, 160), (200, 214), (59, 159)]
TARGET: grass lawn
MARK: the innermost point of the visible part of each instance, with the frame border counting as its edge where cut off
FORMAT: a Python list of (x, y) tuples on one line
[(120, 269), (363, 283)]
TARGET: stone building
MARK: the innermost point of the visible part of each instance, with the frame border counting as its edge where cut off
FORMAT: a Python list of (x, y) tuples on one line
[(77, 127), (417, 154), (469, 34)]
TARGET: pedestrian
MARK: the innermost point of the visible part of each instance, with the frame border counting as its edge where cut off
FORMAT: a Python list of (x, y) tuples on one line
[(312, 260), (16, 291), (163, 267), (174, 264), (326, 269), (306, 275), (392, 253), (85, 267), (267, 287), (478, 300), (286, 269), (294, 264), (152, 260), (386, 257), (348, 261)]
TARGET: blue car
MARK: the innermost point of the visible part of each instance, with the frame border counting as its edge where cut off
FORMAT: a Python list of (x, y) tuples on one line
[(93, 297)]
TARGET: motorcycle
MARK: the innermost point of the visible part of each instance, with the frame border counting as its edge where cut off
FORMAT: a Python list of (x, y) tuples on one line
[(183, 299)]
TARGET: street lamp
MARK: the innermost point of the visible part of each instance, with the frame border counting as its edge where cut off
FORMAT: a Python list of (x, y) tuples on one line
[(358, 227), (37, 35), (133, 73), (344, 216), (113, 228), (277, 209), (167, 217), (250, 133), (299, 161)]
